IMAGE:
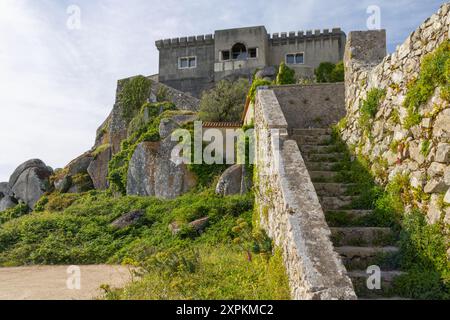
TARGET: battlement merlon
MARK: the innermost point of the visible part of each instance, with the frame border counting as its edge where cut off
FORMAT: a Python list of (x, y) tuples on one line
[(209, 38), (185, 41), (308, 34)]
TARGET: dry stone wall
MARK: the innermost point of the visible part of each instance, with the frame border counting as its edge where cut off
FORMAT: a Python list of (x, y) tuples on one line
[(290, 211), (421, 151)]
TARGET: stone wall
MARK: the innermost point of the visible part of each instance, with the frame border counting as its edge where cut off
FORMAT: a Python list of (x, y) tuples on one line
[(290, 210), (311, 106), (181, 99), (391, 146)]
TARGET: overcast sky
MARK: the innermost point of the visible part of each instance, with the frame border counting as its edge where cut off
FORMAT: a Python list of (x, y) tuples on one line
[(57, 84)]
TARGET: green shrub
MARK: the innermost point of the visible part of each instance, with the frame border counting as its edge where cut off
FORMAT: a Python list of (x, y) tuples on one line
[(79, 231), (219, 273), (134, 94), (328, 72), (254, 88), (338, 74), (425, 148), (285, 75), (369, 108), (100, 149), (13, 213), (433, 74), (225, 102), (163, 94)]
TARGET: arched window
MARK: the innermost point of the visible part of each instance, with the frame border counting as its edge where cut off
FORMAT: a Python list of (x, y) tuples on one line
[(239, 52)]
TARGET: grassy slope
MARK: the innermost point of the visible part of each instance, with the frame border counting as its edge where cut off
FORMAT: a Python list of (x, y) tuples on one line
[(75, 229)]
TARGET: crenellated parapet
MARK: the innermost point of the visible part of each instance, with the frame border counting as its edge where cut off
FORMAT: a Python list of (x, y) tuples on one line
[(293, 36), (185, 41)]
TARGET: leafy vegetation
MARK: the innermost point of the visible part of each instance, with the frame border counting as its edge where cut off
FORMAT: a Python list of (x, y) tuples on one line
[(425, 148), (219, 274), (285, 75), (100, 149), (133, 95), (76, 229), (255, 85), (225, 102), (328, 72), (369, 108), (434, 73)]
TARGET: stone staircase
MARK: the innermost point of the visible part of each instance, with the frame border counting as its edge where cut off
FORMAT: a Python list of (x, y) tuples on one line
[(359, 244)]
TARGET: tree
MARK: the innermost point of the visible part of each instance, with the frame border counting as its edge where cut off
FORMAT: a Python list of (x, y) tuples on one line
[(328, 72), (285, 75), (225, 102), (338, 74)]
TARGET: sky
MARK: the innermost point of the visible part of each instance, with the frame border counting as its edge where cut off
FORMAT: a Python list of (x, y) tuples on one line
[(60, 60)]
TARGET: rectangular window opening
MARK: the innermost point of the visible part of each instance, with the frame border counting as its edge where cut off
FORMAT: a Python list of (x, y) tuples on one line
[(253, 53), (295, 58), (225, 55), (187, 62)]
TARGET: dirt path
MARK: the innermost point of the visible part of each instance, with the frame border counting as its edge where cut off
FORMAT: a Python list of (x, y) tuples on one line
[(53, 282)]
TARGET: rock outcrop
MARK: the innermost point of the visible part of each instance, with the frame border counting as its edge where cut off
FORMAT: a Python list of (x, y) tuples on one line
[(198, 226), (267, 73), (7, 202), (151, 171), (30, 181), (98, 169), (7, 199), (233, 181), (74, 178), (128, 219)]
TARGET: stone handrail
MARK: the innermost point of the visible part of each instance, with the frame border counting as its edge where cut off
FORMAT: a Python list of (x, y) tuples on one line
[(290, 210)]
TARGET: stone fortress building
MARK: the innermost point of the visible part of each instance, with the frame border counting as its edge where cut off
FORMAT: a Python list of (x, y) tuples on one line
[(193, 64)]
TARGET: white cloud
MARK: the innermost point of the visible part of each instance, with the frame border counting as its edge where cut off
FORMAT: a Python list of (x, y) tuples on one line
[(57, 85)]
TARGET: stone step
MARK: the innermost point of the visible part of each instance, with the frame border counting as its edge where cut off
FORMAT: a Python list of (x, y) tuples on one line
[(360, 258), (323, 176), (332, 189), (362, 236), (336, 203), (324, 157), (312, 132), (321, 166), (315, 149), (314, 140), (385, 290), (348, 218)]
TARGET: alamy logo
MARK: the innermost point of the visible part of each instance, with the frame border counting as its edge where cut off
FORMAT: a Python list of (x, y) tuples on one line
[(74, 280), (374, 20), (374, 279), (74, 20)]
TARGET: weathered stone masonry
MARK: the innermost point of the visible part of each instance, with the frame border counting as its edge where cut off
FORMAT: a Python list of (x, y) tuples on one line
[(368, 67), (290, 210)]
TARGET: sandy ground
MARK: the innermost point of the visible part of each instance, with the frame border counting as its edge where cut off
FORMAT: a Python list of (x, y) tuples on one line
[(53, 282)]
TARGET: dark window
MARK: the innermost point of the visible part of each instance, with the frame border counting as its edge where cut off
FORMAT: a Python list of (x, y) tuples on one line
[(253, 53), (187, 62), (290, 59), (299, 58), (183, 63), (295, 58), (239, 51), (192, 62), (225, 55)]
